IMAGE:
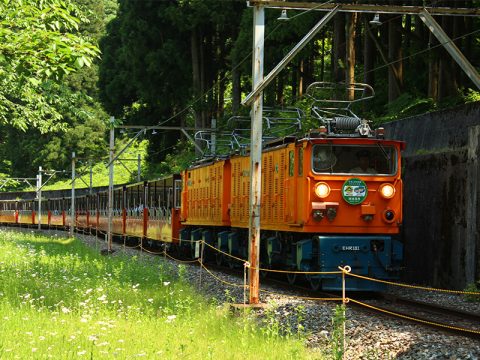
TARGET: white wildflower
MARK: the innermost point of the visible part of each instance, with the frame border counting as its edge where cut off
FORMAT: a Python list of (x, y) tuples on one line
[(170, 318)]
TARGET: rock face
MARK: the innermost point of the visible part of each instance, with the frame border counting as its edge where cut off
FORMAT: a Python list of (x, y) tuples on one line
[(441, 196)]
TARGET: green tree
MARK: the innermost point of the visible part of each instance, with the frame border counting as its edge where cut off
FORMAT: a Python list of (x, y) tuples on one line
[(38, 47)]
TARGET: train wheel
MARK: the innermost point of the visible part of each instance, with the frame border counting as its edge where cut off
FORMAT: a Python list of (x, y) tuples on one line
[(263, 273), (219, 259), (291, 278), (192, 251), (315, 283)]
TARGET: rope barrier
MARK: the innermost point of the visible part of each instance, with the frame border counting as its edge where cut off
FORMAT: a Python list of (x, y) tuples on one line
[(224, 253), (300, 297), (273, 270), (414, 286), (217, 278), (180, 261), (153, 252), (415, 319), (299, 272), (246, 265)]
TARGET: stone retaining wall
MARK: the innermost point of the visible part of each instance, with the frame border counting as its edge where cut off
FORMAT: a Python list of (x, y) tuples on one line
[(441, 196)]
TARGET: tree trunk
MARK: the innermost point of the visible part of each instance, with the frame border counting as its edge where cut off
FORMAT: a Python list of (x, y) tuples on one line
[(433, 69), (221, 78), (300, 78), (236, 89), (368, 56), (197, 80), (322, 59), (448, 69), (350, 50), (420, 63), (307, 73), (294, 82), (395, 71), (339, 47)]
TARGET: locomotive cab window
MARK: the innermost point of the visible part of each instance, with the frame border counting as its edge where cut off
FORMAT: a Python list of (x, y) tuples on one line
[(354, 159)]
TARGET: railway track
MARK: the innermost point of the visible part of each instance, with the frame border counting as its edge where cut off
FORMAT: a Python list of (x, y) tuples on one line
[(440, 317), (436, 316)]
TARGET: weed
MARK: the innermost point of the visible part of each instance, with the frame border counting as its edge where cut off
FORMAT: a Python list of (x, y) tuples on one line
[(60, 299), (182, 273), (471, 297), (337, 338), (271, 325)]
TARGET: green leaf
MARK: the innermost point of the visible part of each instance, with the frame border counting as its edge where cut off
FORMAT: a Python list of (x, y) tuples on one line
[(34, 82), (79, 62)]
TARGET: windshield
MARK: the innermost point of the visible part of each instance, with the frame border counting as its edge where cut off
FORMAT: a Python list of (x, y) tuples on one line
[(354, 159)]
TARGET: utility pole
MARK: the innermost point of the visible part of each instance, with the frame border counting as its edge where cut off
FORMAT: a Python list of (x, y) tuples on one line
[(256, 154), (214, 137), (72, 209), (139, 168), (39, 196), (91, 179), (110, 183)]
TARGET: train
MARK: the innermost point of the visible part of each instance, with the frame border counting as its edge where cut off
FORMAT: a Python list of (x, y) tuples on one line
[(330, 197)]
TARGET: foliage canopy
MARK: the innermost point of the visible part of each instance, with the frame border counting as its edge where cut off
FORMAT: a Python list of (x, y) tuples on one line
[(38, 47)]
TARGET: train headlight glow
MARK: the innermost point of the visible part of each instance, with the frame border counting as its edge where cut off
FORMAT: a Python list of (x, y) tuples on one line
[(387, 191), (322, 190)]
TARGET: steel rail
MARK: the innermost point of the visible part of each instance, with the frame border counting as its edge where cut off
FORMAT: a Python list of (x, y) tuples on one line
[(365, 8), (435, 307)]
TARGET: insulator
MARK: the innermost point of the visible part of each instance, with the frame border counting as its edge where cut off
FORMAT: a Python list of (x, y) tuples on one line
[(347, 123)]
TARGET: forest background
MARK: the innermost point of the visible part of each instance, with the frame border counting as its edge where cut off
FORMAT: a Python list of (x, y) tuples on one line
[(186, 62)]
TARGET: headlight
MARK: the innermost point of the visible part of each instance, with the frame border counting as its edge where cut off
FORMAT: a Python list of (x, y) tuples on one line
[(322, 190), (387, 191)]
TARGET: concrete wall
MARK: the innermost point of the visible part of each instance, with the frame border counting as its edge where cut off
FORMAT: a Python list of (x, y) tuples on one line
[(442, 196)]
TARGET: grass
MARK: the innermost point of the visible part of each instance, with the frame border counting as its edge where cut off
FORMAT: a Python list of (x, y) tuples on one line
[(61, 300)]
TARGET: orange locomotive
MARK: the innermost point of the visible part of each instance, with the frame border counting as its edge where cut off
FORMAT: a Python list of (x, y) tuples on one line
[(329, 198), (319, 207)]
